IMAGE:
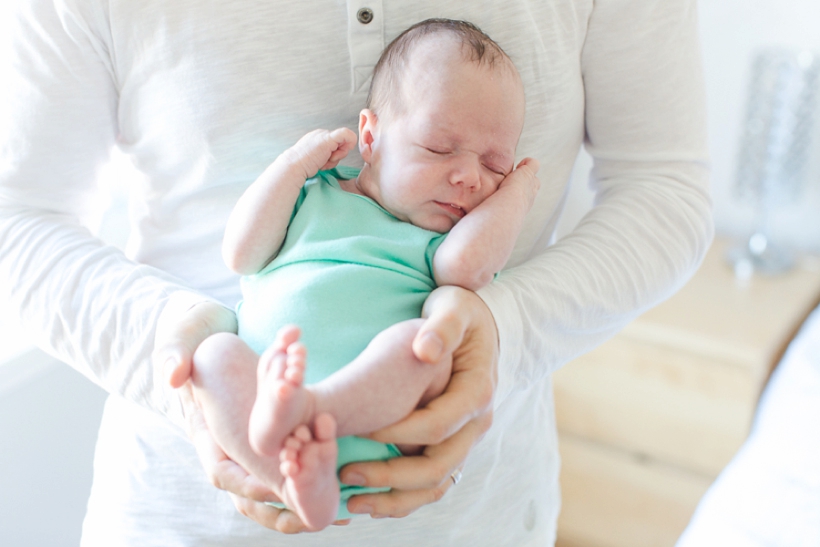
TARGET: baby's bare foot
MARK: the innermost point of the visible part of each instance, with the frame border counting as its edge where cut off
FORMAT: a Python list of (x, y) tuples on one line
[(282, 401), (308, 463)]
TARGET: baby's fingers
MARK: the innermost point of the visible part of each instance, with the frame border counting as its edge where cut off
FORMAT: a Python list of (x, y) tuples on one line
[(344, 140), (524, 177), (531, 165)]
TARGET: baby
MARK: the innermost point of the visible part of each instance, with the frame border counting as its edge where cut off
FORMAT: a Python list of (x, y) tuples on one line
[(351, 256)]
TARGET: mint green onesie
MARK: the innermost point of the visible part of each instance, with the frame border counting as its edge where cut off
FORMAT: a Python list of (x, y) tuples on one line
[(347, 270)]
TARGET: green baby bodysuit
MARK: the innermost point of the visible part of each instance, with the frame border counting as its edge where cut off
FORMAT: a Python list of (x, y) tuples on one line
[(347, 270)]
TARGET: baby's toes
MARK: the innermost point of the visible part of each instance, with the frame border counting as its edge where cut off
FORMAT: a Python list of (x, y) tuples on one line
[(295, 375), (271, 365), (309, 457), (297, 351), (287, 335), (289, 468), (289, 457), (302, 433), (284, 390), (324, 427), (295, 371)]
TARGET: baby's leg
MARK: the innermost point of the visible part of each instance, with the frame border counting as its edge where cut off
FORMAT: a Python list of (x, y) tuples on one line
[(383, 384), (224, 379)]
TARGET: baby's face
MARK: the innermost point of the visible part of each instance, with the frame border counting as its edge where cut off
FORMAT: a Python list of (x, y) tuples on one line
[(451, 146)]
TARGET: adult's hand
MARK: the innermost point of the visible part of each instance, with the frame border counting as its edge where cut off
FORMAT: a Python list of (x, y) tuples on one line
[(458, 322), (183, 324)]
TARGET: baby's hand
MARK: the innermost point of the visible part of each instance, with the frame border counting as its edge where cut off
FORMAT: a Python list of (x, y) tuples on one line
[(320, 149), (523, 178)]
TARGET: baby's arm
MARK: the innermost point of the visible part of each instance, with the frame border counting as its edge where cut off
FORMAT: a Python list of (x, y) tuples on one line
[(259, 222), (479, 245)]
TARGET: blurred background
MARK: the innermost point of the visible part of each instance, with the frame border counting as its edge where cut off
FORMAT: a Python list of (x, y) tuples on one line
[(733, 33), (49, 413)]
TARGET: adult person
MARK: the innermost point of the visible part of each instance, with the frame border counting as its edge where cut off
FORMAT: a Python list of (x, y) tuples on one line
[(203, 95)]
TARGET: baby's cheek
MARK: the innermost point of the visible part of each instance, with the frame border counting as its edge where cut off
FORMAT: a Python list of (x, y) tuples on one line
[(491, 184)]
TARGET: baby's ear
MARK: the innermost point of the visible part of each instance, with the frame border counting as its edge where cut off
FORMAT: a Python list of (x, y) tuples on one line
[(367, 133)]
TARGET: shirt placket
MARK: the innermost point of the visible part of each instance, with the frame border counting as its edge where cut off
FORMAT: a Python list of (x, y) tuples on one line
[(365, 39)]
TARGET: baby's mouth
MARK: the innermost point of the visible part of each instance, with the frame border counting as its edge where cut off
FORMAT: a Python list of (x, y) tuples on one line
[(456, 210)]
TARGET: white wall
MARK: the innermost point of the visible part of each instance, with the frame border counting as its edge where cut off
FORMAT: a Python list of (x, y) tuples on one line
[(49, 415), (732, 31)]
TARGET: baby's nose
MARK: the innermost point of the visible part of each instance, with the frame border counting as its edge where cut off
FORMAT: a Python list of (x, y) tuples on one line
[(467, 173)]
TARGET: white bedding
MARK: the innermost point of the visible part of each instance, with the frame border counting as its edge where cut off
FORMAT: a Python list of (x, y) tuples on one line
[(769, 495)]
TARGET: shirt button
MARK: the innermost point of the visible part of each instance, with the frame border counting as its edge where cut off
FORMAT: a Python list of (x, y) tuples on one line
[(364, 15)]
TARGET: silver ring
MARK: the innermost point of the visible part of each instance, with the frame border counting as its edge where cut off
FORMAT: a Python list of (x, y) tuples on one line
[(456, 476)]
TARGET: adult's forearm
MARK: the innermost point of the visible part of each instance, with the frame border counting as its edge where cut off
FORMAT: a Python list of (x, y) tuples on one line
[(620, 261), (83, 301), (651, 223)]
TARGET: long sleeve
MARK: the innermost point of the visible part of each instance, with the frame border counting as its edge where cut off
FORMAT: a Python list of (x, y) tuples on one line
[(83, 301), (651, 221)]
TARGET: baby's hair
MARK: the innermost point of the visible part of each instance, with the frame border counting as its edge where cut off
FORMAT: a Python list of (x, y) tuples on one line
[(385, 87)]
